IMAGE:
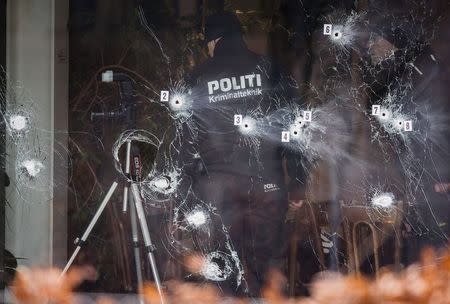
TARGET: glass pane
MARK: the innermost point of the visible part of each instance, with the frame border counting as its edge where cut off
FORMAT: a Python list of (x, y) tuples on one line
[(223, 149)]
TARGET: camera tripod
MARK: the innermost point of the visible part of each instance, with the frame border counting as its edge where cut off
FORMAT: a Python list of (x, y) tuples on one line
[(133, 179)]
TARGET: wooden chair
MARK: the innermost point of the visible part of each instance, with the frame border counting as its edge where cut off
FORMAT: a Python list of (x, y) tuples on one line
[(316, 219), (381, 223)]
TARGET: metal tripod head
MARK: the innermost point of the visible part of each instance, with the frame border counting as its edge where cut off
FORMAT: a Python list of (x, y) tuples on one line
[(127, 105)]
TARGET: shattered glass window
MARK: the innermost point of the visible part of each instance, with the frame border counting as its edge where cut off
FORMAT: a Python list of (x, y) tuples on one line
[(193, 151)]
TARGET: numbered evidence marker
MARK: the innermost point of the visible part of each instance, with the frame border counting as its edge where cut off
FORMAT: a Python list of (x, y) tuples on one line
[(408, 125), (285, 136), (307, 115), (327, 29), (376, 109), (237, 120), (164, 95)]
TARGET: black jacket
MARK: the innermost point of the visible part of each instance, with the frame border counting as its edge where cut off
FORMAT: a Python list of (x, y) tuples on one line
[(237, 82)]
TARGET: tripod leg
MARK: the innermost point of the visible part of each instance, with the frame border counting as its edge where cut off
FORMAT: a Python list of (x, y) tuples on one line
[(146, 235), (137, 254), (127, 173), (91, 225)]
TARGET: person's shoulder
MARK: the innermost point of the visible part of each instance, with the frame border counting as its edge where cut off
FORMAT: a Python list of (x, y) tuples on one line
[(200, 72), (253, 58), (270, 68)]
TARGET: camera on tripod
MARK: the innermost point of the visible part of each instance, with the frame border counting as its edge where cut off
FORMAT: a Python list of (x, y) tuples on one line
[(126, 110)]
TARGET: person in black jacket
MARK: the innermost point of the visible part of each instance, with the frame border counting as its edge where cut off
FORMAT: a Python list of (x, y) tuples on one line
[(239, 167)]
